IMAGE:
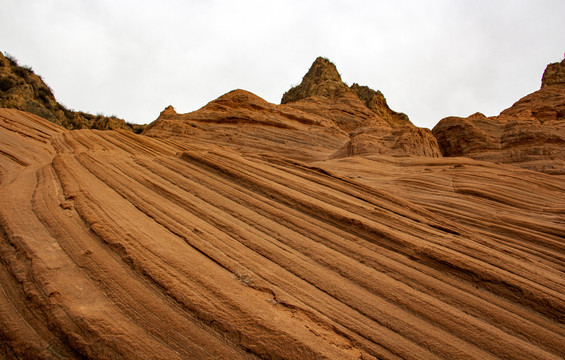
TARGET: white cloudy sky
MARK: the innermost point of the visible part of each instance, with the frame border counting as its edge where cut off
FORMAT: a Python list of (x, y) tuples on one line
[(431, 59)]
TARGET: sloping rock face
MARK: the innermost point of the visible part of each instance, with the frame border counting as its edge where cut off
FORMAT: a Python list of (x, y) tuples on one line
[(320, 118), (22, 89), (530, 134), (115, 245), (238, 231), (376, 101), (245, 122)]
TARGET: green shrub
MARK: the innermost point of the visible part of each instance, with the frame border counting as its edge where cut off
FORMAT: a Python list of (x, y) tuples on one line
[(13, 61)]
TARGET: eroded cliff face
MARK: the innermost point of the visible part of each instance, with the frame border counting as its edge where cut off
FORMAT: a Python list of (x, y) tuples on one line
[(529, 134), (318, 119)]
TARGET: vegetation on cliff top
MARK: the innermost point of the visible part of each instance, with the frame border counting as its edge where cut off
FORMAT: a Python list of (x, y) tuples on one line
[(22, 89)]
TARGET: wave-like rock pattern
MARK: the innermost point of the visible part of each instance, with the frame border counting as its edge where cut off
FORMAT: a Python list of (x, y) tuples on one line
[(116, 245)]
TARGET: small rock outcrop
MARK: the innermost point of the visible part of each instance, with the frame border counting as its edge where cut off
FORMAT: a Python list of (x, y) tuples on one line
[(322, 80), (376, 101), (168, 112), (530, 134), (554, 74), (22, 89)]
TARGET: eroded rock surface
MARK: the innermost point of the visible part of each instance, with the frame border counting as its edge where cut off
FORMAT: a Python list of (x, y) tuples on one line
[(530, 134), (248, 230), (117, 245), (245, 122), (318, 119)]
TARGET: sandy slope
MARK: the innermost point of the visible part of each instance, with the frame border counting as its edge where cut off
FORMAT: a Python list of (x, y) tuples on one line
[(115, 245)]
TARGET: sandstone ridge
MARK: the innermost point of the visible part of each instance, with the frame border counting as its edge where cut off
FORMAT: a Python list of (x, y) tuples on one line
[(247, 123), (318, 119), (529, 134), (314, 229), (115, 245)]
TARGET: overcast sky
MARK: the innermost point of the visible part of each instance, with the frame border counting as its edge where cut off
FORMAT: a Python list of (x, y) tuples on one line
[(431, 59)]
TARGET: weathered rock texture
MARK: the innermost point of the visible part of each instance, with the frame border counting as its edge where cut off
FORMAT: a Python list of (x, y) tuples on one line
[(22, 89), (117, 245), (530, 134), (249, 124), (320, 118), (360, 111), (554, 74), (238, 232)]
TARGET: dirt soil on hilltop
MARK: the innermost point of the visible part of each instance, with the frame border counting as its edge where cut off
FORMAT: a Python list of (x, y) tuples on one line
[(22, 89)]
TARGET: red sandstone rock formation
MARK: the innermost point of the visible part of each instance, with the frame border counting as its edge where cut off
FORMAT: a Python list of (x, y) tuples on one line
[(245, 122), (116, 245), (239, 231), (320, 118), (372, 126), (530, 134)]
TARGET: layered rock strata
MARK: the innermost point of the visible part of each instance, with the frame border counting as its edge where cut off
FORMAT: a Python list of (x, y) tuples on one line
[(121, 246), (529, 134), (320, 118)]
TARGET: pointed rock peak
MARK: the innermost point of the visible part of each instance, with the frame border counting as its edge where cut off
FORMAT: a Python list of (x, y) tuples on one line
[(554, 74), (322, 70), (322, 80), (168, 112)]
